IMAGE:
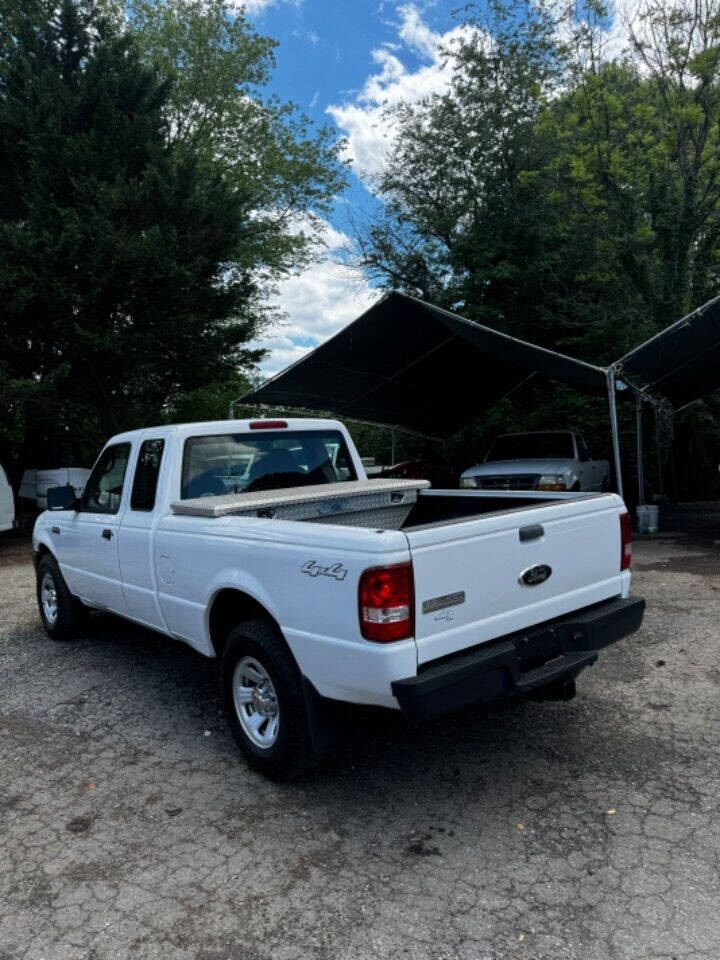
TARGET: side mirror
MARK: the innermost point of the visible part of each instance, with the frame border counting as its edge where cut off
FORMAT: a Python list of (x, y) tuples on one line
[(62, 498)]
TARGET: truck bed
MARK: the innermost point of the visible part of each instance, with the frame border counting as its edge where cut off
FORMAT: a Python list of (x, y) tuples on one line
[(385, 504)]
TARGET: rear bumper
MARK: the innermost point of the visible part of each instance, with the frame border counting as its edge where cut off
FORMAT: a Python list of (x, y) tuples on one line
[(521, 663)]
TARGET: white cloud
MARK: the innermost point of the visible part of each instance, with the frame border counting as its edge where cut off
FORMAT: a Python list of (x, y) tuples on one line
[(311, 36), (254, 7), (318, 302), (363, 121)]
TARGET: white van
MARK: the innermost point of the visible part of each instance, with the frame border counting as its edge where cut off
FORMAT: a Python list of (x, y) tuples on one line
[(7, 503)]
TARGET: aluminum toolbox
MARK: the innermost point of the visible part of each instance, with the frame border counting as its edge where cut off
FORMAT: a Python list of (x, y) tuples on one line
[(368, 503)]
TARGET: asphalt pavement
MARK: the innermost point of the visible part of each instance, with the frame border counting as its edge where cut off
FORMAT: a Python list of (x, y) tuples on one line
[(131, 828)]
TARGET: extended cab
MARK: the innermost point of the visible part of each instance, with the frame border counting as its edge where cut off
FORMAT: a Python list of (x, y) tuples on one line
[(263, 543), (544, 460)]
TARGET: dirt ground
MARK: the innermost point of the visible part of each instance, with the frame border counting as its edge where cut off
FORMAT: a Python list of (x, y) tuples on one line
[(130, 827)]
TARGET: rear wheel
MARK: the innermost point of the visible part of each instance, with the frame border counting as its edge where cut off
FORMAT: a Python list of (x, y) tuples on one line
[(62, 614), (263, 699)]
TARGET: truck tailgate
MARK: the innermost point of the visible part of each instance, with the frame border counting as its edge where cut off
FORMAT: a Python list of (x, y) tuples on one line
[(469, 574)]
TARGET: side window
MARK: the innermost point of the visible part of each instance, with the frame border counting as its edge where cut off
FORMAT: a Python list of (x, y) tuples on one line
[(146, 475), (103, 491), (583, 454)]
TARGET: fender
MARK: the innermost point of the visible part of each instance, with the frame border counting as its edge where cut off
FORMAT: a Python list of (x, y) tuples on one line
[(233, 579)]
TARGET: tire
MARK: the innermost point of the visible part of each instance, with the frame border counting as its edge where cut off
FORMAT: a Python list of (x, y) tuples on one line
[(575, 487), (52, 593), (263, 700)]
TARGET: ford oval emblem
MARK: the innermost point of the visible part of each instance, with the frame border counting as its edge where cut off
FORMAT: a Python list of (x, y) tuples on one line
[(534, 576)]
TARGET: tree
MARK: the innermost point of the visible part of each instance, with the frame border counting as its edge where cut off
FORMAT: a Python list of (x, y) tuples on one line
[(217, 109), (118, 281), (463, 219)]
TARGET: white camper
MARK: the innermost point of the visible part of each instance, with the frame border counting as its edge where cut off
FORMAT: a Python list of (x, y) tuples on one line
[(7, 503), (35, 483), (75, 477)]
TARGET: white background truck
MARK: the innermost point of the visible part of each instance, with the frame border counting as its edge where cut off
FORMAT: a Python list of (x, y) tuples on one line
[(262, 543), (544, 460)]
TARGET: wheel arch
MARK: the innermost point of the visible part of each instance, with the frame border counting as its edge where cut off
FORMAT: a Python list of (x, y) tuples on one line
[(41, 551), (230, 607)]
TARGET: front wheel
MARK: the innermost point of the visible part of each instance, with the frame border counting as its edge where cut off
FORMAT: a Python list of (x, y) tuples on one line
[(61, 613), (263, 699)]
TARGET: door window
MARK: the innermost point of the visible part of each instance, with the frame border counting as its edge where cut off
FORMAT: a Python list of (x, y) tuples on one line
[(146, 475), (103, 491)]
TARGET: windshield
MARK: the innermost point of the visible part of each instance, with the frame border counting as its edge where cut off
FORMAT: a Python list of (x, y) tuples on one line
[(271, 460), (532, 446)]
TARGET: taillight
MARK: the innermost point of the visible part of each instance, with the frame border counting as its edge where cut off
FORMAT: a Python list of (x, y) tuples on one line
[(625, 541), (268, 424), (386, 601)]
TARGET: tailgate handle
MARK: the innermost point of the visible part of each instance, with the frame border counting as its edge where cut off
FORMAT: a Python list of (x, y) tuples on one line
[(531, 532)]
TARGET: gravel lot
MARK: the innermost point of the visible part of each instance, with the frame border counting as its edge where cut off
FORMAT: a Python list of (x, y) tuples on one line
[(130, 826)]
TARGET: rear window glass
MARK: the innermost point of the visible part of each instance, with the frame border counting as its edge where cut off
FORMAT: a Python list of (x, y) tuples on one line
[(270, 460)]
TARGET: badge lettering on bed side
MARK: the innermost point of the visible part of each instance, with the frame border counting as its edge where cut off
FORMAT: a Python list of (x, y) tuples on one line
[(335, 570), (439, 603)]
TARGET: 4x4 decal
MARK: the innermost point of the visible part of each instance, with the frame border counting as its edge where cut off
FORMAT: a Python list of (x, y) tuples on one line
[(313, 569)]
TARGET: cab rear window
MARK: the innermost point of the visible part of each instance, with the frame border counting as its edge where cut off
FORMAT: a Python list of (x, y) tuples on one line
[(241, 462)]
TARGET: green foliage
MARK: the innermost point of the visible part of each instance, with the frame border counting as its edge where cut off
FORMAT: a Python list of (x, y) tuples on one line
[(148, 199), (117, 283), (211, 402)]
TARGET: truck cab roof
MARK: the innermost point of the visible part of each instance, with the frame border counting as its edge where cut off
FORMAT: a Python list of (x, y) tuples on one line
[(210, 427)]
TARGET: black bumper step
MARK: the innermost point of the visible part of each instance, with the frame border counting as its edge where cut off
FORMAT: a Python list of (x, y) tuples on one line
[(521, 663)]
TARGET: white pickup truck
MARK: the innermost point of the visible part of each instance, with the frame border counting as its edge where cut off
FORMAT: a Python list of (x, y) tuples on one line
[(543, 460), (263, 543)]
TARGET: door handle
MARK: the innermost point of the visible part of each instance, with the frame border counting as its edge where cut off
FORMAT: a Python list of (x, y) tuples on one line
[(107, 534), (531, 532)]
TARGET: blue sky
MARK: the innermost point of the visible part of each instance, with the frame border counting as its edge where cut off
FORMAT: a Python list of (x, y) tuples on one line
[(340, 62), (328, 51)]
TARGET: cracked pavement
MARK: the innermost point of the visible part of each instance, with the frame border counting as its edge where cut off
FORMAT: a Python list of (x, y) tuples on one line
[(589, 830)]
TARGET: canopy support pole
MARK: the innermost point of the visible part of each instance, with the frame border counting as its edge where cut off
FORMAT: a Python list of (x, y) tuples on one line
[(658, 452), (639, 446), (614, 428)]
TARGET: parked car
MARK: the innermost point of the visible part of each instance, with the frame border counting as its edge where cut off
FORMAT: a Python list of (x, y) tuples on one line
[(544, 460), (7, 503), (314, 584)]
